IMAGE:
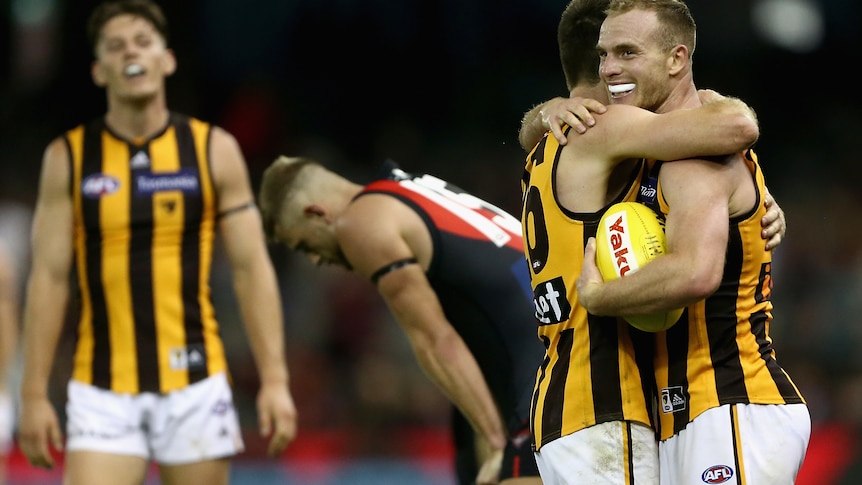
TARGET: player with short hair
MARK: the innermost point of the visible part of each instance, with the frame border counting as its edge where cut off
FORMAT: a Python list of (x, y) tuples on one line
[(727, 409), (135, 200), (594, 393), (451, 270)]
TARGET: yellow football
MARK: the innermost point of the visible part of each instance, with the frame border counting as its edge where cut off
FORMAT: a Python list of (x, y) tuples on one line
[(629, 236)]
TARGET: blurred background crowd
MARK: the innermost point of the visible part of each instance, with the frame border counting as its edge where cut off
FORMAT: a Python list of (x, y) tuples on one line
[(440, 86)]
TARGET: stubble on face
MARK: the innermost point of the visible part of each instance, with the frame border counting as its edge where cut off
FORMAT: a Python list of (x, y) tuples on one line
[(634, 59)]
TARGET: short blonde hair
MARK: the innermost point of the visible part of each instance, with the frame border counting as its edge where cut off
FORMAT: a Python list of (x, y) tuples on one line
[(281, 183)]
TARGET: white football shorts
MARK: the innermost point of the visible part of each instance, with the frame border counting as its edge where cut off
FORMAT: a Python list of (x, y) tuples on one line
[(764, 443), (7, 422), (197, 423), (614, 453)]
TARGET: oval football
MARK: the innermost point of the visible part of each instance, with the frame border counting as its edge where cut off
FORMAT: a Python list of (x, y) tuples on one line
[(629, 236)]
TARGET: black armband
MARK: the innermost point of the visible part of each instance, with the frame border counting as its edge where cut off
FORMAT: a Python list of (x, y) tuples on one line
[(391, 267), (232, 210)]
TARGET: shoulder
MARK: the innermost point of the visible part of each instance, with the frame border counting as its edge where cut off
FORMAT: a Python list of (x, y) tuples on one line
[(225, 152), (221, 138), (56, 154)]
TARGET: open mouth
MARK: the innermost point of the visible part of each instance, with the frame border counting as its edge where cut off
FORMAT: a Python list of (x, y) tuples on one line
[(133, 70), (618, 90)]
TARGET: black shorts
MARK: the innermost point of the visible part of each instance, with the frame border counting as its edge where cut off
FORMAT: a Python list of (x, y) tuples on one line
[(518, 457)]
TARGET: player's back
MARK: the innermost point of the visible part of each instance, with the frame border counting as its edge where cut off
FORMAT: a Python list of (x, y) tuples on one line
[(596, 369), (478, 273)]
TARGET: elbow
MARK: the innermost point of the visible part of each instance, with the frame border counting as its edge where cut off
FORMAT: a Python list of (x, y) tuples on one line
[(749, 135), (701, 283), (744, 134)]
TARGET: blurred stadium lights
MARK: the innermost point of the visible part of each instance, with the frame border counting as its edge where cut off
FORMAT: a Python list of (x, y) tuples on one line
[(795, 25), (32, 12), (35, 27)]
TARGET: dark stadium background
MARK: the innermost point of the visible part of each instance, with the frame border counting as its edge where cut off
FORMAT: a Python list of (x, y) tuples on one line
[(440, 86)]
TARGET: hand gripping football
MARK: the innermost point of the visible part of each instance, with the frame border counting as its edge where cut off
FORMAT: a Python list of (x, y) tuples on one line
[(629, 236)]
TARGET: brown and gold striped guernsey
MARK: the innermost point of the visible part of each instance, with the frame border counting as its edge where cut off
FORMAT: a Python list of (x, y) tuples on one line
[(720, 351), (144, 226), (595, 369)]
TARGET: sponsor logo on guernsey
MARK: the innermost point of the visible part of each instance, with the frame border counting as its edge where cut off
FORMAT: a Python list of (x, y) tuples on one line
[(672, 400), (98, 185), (184, 180), (551, 303), (648, 190), (717, 474)]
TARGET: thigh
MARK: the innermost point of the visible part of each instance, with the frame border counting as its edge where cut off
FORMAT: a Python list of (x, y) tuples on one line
[(614, 453), (210, 472), (102, 421), (7, 422), (761, 443), (196, 424), (97, 468)]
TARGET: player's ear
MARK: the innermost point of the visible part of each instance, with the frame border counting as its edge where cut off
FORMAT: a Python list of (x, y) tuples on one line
[(312, 210), (97, 74), (678, 59), (169, 62)]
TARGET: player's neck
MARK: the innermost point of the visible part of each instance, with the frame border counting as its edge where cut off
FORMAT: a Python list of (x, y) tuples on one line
[(683, 96), (137, 121)]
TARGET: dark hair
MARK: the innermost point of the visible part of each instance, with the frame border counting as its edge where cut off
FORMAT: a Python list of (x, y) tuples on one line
[(146, 9), (577, 36)]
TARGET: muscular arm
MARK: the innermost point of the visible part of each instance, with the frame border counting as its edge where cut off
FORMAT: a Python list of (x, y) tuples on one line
[(45, 306), (9, 313), (722, 125), (256, 288), (553, 114), (376, 232), (697, 234), (716, 128)]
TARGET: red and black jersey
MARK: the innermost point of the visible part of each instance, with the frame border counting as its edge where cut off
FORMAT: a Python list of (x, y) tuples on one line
[(480, 276)]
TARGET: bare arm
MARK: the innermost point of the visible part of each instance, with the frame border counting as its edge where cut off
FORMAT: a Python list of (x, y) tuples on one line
[(375, 234), (553, 114), (45, 307), (9, 314), (723, 125), (256, 288), (717, 128), (697, 233)]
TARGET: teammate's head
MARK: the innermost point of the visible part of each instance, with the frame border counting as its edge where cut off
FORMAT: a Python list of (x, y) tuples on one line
[(106, 11), (645, 47), (298, 205), (577, 35), (677, 26), (129, 42)]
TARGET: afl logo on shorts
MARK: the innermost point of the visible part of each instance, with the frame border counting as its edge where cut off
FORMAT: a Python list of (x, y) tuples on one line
[(717, 474), (99, 184)]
